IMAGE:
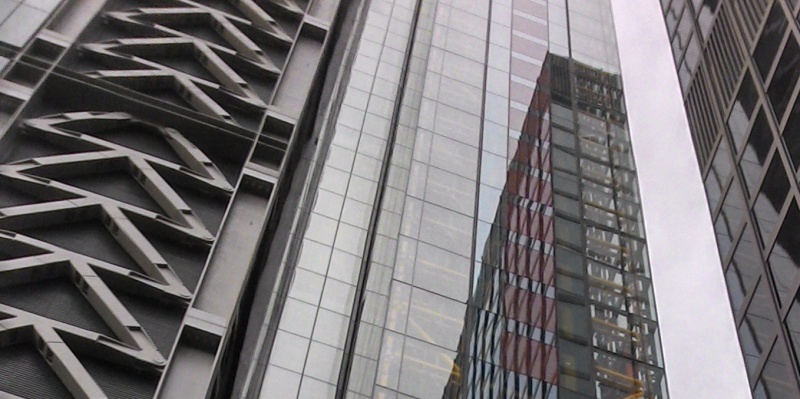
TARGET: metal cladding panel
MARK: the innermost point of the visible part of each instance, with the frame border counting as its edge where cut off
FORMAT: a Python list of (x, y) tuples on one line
[(19, 365)]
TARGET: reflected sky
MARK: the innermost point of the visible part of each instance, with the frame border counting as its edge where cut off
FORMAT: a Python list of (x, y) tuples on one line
[(700, 346)]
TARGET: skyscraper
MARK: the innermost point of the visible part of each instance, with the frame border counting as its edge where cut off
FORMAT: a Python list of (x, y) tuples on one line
[(308, 198), (738, 68)]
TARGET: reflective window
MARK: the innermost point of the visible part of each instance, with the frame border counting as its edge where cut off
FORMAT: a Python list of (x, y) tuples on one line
[(435, 319), (744, 269), (22, 23), (742, 111), (791, 135), (756, 151), (574, 358), (785, 258), (721, 165), (730, 219), (785, 78), (573, 321), (568, 231), (758, 326), (564, 161), (566, 183), (793, 325), (569, 261), (705, 14), (777, 380), (425, 368), (770, 40), (771, 197)]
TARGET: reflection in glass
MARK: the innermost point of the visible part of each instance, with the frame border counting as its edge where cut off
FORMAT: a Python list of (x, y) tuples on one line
[(785, 258)]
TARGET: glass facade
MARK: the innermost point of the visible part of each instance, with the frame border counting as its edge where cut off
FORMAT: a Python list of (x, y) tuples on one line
[(334, 199), (476, 230), (737, 63)]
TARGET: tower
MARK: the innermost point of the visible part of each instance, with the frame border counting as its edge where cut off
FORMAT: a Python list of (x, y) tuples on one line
[(737, 65)]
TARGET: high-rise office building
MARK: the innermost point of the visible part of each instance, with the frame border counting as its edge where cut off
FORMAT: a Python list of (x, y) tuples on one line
[(319, 199), (738, 69)]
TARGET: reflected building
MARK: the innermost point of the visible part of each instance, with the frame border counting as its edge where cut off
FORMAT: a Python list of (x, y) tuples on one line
[(737, 64), (319, 199), (563, 302)]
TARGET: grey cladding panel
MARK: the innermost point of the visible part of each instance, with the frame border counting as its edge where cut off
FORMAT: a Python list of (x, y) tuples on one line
[(218, 58), (118, 382), (102, 207), (57, 299), (22, 364)]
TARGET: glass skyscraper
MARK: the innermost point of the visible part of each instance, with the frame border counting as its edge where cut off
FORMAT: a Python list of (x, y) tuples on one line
[(738, 68), (320, 199)]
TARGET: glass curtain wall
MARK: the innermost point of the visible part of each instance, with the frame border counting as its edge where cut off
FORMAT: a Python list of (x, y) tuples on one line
[(477, 229)]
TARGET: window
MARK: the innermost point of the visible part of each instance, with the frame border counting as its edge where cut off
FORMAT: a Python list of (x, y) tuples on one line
[(756, 152), (791, 135), (777, 380), (770, 40), (771, 198), (785, 258), (742, 111), (758, 326), (785, 78), (744, 269), (730, 219)]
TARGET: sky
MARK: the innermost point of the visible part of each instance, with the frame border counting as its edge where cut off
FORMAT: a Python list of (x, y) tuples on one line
[(701, 351)]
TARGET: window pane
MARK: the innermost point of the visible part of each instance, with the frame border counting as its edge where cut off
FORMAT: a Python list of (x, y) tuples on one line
[(742, 111), (744, 269), (791, 137), (785, 78), (755, 154), (758, 326), (785, 258), (777, 380), (730, 219), (770, 40), (793, 324), (771, 198)]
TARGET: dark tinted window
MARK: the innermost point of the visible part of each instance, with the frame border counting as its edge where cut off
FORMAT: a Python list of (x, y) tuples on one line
[(730, 219), (777, 380), (771, 197), (770, 39), (742, 111), (744, 270), (785, 78), (793, 324), (791, 135), (758, 326), (785, 257), (755, 153)]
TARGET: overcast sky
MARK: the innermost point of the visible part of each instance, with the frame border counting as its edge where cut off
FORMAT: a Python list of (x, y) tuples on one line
[(702, 353)]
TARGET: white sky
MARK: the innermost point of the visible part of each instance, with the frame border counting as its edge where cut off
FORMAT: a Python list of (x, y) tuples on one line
[(702, 353)]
